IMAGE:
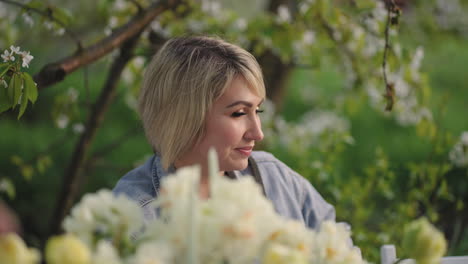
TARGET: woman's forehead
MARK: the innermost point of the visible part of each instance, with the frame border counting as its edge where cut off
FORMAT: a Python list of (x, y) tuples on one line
[(240, 90)]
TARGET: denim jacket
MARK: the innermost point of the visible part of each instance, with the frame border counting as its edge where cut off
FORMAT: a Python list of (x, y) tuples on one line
[(292, 195)]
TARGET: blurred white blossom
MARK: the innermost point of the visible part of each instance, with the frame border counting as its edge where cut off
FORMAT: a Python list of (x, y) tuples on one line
[(28, 19), (3, 82), (105, 253), (62, 121), (212, 7), (153, 252), (106, 215), (78, 128), (459, 153), (284, 16)]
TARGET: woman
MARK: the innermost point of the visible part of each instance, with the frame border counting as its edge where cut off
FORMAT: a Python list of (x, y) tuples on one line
[(201, 92)]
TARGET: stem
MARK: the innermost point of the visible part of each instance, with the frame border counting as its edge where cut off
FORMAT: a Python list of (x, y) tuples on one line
[(389, 89)]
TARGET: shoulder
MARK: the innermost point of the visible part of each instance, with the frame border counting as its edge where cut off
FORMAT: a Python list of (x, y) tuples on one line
[(276, 169), (286, 186), (137, 184)]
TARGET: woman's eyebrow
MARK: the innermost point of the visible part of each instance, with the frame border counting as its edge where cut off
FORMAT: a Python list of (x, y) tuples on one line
[(248, 104)]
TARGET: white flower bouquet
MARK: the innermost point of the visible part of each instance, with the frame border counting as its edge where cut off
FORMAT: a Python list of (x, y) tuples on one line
[(236, 224)]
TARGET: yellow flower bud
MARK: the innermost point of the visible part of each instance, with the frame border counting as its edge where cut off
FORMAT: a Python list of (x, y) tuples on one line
[(14, 251), (66, 249), (423, 242), (279, 254)]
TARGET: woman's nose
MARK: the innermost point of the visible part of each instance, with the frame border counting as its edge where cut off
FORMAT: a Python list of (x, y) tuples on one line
[(255, 130)]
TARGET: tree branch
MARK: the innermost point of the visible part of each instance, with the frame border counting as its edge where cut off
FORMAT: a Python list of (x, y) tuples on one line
[(392, 18), (56, 71), (72, 179), (50, 16)]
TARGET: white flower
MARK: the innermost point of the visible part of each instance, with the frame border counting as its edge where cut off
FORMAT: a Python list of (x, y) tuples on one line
[(333, 244), (3, 82), (279, 254), (78, 128), (157, 27), (153, 253), (211, 7), (14, 49), (49, 25), (7, 56), (104, 214), (26, 58), (62, 121), (59, 31), (309, 37), (28, 19), (283, 14), (105, 253), (113, 22), (72, 94), (459, 153), (240, 24), (120, 5), (464, 138)]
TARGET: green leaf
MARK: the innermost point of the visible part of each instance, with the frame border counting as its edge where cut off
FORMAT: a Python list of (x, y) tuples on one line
[(7, 186), (14, 89), (30, 87), (365, 4), (62, 15), (5, 103), (36, 4), (4, 69), (23, 105)]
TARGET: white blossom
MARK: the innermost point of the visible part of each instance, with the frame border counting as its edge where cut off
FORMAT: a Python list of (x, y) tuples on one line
[(113, 22), (157, 27), (59, 31), (334, 246), (28, 19), (283, 14), (14, 49), (3, 82), (309, 37), (211, 7), (104, 214), (240, 24), (27, 58), (62, 121), (459, 153), (73, 94), (105, 253), (120, 5), (7, 56), (78, 128), (48, 25), (157, 252)]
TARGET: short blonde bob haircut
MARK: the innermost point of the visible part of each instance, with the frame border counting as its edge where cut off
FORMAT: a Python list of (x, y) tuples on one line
[(180, 85)]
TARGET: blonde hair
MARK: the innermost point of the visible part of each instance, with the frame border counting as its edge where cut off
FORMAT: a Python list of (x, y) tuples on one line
[(181, 83)]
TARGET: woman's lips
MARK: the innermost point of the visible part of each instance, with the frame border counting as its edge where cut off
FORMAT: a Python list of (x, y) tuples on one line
[(246, 151)]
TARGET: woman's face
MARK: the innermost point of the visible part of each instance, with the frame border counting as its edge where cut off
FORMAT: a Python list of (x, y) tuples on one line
[(232, 127)]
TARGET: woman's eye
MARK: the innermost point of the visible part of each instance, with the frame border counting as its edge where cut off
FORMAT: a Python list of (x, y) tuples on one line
[(238, 114), (258, 111)]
